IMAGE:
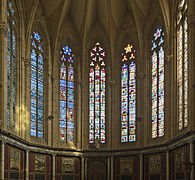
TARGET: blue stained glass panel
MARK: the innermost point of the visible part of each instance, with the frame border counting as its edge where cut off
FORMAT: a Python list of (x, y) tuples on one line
[(11, 65), (37, 87), (66, 95)]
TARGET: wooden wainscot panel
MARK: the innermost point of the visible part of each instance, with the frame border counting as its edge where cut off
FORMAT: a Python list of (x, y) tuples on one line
[(39, 166), (14, 163), (68, 165), (126, 168), (40, 163), (67, 168), (180, 163), (155, 167)]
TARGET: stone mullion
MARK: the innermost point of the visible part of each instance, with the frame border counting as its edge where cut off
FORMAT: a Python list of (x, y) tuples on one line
[(3, 71), (27, 165)]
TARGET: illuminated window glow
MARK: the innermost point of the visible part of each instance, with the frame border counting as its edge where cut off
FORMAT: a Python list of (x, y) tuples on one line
[(66, 94), (11, 65), (128, 95), (97, 95), (158, 84), (182, 64), (37, 88)]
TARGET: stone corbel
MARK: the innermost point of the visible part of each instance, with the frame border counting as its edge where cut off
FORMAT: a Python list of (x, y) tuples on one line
[(26, 62), (141, 76), (3, 29), (51, 76), (169, 58), (51, 117), (82, 84)]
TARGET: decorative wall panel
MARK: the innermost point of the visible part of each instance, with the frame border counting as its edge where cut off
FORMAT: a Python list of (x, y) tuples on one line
[(155, 166), (14, 163), (39, 166), (180, 163), (67, 168), (127, 168)]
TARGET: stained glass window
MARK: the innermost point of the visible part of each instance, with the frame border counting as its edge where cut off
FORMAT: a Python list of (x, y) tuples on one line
[(97, 95), (37, 85), (66, 94), (157, 71), (128, 95), (11, 64), (182, 64)]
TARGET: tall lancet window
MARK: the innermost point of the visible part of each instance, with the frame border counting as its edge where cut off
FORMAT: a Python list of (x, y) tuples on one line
[(37, 85), (182, 64), (128, 95), (11, 64), (66, 94), (157, 74), (97, 95)]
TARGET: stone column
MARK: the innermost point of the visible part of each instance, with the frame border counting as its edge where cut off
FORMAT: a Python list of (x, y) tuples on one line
[(25, 133), (167, 165), (192, 160), (85, 168), (27, 165), (108, 169), (141, 166), (112, 168), (2, 159), (53, 166), (50, 130), (82, 167)]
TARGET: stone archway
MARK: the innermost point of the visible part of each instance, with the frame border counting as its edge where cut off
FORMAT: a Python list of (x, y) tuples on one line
[(96, 171)]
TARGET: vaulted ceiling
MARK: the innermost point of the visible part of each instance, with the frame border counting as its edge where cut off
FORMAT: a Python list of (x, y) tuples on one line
[(90, 11), (84, 14)]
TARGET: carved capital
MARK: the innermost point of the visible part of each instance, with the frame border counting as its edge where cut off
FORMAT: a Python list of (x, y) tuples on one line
[(169, 58), (82, 84), (112, 83), (51, 76), (51, 117)]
